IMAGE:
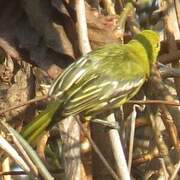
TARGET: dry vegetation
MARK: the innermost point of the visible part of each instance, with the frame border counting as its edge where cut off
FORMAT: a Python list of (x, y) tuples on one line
[(39, 39)]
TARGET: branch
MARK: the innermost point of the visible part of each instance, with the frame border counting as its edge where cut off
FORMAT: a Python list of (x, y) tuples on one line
[(175, 171), (169, 103), (82, 27), (160, 143), (167, 72), (172, 32), (118, 152), (32, 101)]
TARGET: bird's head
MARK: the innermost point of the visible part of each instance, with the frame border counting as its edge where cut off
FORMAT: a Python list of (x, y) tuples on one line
[(151, 42)]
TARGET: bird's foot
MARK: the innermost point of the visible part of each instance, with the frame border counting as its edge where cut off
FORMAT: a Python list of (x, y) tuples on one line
[(113, 125)]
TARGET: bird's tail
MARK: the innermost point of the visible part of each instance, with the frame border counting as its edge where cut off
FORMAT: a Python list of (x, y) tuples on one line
[(41, 122)]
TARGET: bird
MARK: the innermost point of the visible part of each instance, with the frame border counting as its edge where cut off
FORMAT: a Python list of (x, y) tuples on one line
[(101, 80)]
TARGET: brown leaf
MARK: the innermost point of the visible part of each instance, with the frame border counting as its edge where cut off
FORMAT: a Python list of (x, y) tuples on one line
[(40, 16)]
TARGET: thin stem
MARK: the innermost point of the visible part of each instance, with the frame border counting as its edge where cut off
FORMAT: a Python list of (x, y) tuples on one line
[(118, 152), (175, 171), (96, 149), (82, 27), (162, 147), (131, 141), (32, 101), (169, 103)]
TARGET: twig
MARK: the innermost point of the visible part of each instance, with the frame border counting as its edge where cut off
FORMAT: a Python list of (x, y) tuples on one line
[(177, 7), (173, 32), (6, 167), (22, 152), (166, 175), (122, 122), (160, 143), (9, 49), (171, 127), (82, 27), (30, 151), (169, 112), (131, 139), (110, 7), (149, 174), (83, 40), (123, 17), (104, 123), (96, 149), (118, 152), (13, 154), (143, 158), (125, 13), (175, 171), (163, 102), (160, 92), (13, 173), (35, 100), (169, 72), (32, 101)]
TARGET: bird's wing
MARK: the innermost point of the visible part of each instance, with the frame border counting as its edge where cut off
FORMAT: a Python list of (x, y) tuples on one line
[(67, 78), (95, 97), (79, 69)]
